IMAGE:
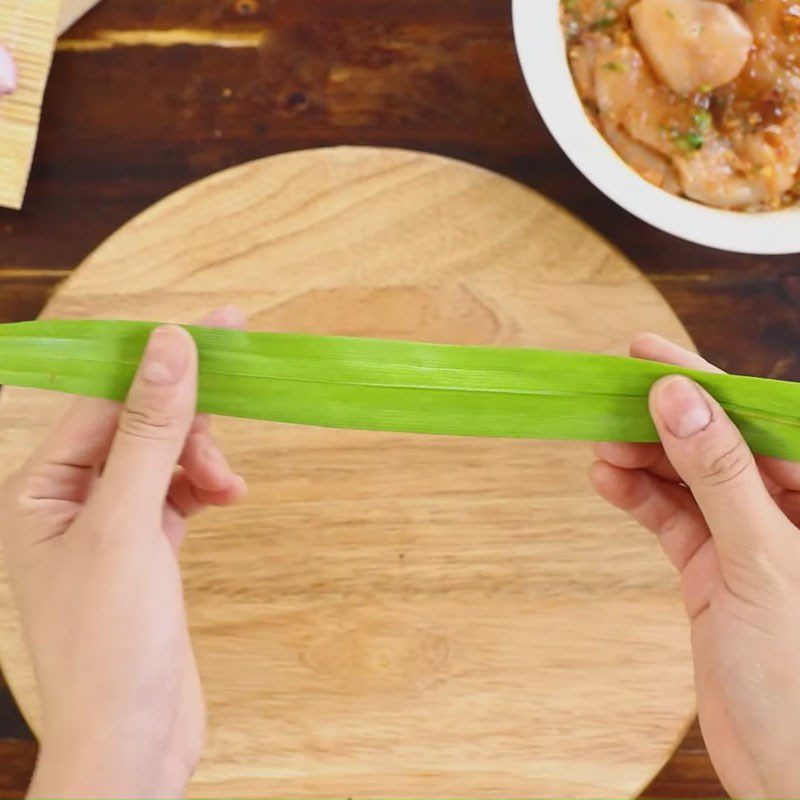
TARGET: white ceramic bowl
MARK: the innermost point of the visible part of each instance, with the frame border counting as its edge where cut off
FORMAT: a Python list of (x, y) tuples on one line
[(542, 53)]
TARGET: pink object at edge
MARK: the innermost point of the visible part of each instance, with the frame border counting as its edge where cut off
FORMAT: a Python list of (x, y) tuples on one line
[(8, 71)]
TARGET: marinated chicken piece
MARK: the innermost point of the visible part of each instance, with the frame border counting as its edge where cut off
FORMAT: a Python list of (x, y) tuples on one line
[(634, 109), (652, 166), (582, 61), (713, 114), (776, 27), (692, 43), (751, 170), (715, 176), (760, 112), (774, 155), (763, 81), (629, 96)]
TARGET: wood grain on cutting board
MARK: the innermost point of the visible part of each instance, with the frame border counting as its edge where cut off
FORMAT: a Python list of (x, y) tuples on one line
[(391, 615), (28, 30)]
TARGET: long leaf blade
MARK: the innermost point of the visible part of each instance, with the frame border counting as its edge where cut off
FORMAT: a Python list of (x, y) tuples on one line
[(408, 387)]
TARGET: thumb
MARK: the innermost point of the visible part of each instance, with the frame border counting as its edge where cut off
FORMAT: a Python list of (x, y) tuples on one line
[(713, 459), (153, 426)]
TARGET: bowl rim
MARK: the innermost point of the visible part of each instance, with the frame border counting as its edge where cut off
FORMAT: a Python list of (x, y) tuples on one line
[(542, 52)]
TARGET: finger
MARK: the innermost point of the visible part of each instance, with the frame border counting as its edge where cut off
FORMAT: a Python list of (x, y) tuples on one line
[(789, 503), (153, 426), (656, 348), (232, 318), (780, 474), (205, 464), (66, 464), (229, 316), (628, 455), (186, 500), (662, 507), (189, 499), (64, 467), (175, 528), (716, 464), (651, 457), (700, 580)]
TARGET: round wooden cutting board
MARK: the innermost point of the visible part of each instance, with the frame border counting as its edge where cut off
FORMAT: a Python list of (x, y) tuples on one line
[(392, 615)]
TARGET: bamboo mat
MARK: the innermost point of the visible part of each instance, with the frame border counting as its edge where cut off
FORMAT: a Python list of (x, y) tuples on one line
[(28, 28)]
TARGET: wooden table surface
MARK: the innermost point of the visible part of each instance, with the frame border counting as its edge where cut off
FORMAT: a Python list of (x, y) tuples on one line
[(146, 97)]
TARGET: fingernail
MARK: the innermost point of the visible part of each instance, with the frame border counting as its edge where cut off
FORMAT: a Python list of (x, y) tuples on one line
[(682, 406), (166, 357)]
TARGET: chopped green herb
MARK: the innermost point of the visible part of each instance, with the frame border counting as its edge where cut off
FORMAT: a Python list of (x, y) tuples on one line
[(609, 4), (689, 141), (702, 120), (570, 5), (602, 24), (670, 14), (615, 66), (705, 88)]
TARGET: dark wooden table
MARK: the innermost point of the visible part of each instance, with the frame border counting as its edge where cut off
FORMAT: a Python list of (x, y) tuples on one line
[(147, 96)]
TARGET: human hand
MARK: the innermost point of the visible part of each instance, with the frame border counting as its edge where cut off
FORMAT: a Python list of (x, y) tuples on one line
[(729, 524), (91, 527)]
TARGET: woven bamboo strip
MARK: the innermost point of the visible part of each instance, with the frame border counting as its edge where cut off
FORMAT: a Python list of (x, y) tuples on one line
[(28, 30)]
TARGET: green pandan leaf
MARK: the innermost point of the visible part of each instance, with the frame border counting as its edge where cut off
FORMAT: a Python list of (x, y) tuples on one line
[(372, 384)]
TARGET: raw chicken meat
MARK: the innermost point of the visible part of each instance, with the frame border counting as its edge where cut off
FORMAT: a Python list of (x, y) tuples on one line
[(651, 165), (700, 97), (692, 43)]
